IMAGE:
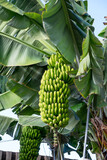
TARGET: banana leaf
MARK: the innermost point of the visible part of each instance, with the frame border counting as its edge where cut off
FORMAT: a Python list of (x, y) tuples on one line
[(8, 100), (5, 122), (23, 40)]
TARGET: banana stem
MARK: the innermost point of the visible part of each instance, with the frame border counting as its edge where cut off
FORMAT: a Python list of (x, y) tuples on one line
[(60, 150), (54, 158), (86, 132), (55, 138)]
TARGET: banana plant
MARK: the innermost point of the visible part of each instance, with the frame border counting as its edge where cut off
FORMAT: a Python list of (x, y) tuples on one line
[(98, 126), (30, 32)]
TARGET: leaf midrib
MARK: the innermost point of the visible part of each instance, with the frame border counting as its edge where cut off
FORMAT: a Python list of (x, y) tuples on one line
[(22, 42)]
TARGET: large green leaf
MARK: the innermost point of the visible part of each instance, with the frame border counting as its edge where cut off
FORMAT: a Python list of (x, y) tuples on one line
[(66, 25), (33, 37), (29, 95), (20, 22), (10, 6), (86, 86), (18, 17), (19, 7), (25, 47), (56, 26), (17, 12), (4, 123), (28, 75), (92, 58), (33, 120), (79, 20), (14, 53), (97, 57), (27, 88), (21, 38), (82, 23), (79, 8), (85, 45), (84, 65), (8, 100)]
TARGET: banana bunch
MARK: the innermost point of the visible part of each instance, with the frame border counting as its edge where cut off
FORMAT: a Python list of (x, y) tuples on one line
[(54, 92), (29, 143)]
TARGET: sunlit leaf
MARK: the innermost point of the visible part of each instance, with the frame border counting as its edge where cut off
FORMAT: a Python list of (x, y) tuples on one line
[(85, 45), (17, 54), (81, 10), (10, 6), (103, 33), (30, 43), (23, 47), (76, 107), (84, 65), (34, 16), (33, 120), (18, 7), (8, 100)]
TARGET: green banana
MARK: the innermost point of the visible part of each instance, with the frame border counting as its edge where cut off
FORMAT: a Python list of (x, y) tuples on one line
[(29, 143), (54, 93)]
